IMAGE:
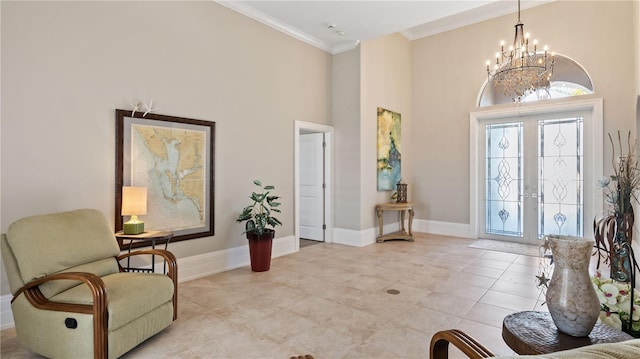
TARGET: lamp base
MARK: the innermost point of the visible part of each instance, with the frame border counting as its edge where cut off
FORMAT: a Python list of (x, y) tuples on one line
[(133, 228)]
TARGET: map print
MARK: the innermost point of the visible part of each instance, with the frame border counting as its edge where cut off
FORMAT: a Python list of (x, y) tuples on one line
[(171, 163)]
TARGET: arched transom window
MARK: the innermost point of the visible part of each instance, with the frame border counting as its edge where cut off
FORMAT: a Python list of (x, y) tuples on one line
[(569, 79)]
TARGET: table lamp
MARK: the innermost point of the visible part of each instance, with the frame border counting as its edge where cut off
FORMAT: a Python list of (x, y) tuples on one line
[(134, 203)]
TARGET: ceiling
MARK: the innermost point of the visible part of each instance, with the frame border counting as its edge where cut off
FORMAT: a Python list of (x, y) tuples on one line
[(337, 26)]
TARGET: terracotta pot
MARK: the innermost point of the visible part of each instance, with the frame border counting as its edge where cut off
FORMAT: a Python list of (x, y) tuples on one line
[(260, 249)]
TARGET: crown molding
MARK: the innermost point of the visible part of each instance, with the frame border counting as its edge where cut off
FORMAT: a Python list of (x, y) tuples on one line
[(274, 23), (470, 17), (346, 46)]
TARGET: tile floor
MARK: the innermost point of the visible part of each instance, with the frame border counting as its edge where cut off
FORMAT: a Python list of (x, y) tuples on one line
[(331, 301)]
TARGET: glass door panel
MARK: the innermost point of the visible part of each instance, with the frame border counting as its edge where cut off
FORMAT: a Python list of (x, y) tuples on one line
[(560, 157), (504, 179), (533, 182)]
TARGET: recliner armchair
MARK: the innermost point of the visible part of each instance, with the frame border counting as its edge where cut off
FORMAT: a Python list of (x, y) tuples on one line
[(71, 296)]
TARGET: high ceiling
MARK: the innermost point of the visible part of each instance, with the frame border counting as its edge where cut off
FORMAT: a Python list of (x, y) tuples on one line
[(337, 26)]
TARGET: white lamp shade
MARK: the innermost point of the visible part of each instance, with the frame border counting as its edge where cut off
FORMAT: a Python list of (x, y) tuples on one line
[(134, 201)]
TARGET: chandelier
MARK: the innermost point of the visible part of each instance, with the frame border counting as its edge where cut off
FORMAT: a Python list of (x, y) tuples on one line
[(520, 70)]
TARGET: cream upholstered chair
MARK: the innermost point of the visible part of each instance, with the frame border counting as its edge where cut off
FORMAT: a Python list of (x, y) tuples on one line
[(71, 297)]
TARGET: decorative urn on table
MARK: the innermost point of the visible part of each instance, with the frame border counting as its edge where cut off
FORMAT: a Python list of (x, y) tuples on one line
[(572, 301)]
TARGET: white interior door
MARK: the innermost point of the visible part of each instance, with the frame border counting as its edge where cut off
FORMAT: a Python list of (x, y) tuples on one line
[(312, 186), (533, 177)]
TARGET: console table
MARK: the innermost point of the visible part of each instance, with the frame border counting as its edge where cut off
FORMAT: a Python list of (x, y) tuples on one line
[(533, 333), (402, 234)]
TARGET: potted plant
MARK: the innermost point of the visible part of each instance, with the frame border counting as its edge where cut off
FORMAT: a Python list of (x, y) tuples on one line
[(258, 217)]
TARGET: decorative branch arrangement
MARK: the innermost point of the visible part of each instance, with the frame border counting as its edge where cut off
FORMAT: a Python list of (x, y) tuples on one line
[(618, 296), (613, 234)]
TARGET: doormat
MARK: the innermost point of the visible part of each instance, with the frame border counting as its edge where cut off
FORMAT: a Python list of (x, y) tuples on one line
[(509, 247)]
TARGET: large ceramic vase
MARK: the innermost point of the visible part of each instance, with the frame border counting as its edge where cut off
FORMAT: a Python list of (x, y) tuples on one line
[(571, 299), (260, 249)]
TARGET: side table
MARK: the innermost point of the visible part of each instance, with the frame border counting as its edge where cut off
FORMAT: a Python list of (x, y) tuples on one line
[(402, 234), (142, 240), (533, 333)]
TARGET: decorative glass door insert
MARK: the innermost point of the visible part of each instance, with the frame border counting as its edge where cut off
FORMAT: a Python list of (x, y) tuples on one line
[(533, 178), (504, 179), (560, 154)]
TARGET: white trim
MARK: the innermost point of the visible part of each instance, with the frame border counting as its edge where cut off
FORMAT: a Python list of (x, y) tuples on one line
[(272, 22), (489, 11), (328, 167), (6, 316), (442, 228), (221, 261), (354, 238), (190, 268), (595, 144), (345, 46)]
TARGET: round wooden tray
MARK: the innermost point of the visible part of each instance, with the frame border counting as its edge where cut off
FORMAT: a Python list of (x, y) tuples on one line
[(535, 333)]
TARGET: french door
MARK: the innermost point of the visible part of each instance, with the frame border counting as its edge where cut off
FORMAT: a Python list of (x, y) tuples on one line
[(533, 177)]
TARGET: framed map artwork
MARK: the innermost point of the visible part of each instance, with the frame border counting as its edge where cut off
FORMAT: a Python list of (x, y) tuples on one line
[(174, 158), (389, 149)]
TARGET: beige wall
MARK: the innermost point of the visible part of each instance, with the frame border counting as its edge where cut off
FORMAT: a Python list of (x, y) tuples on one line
[(385, 82), (448, 72), (66, 66), (376, 74), (636, 33), (346, 122)]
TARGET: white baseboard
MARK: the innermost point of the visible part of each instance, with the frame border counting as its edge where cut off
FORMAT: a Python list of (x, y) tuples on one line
[(6, 317), (221, 261), (365, 237), (351, 237), (442, 228), (190, 268)]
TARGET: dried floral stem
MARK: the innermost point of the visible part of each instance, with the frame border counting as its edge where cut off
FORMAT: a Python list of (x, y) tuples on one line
[(626, 174)]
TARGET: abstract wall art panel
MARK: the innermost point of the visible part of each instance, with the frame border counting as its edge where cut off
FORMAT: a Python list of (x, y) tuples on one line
[(389, 149)]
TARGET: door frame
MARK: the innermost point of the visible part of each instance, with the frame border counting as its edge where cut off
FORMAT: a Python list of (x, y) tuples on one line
[(593, 129), (301, 126)]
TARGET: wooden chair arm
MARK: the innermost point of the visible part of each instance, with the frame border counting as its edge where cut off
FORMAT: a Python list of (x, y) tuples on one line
[(439, 348), (172, 269), (98, 309)]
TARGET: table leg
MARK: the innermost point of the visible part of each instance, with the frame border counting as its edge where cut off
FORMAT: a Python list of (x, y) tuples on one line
[(153, 256), (380, 225), (129, 258), (403, 231), (410, 222), (164, 262)]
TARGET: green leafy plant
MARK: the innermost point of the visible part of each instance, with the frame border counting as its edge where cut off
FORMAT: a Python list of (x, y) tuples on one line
[(259, 214)]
